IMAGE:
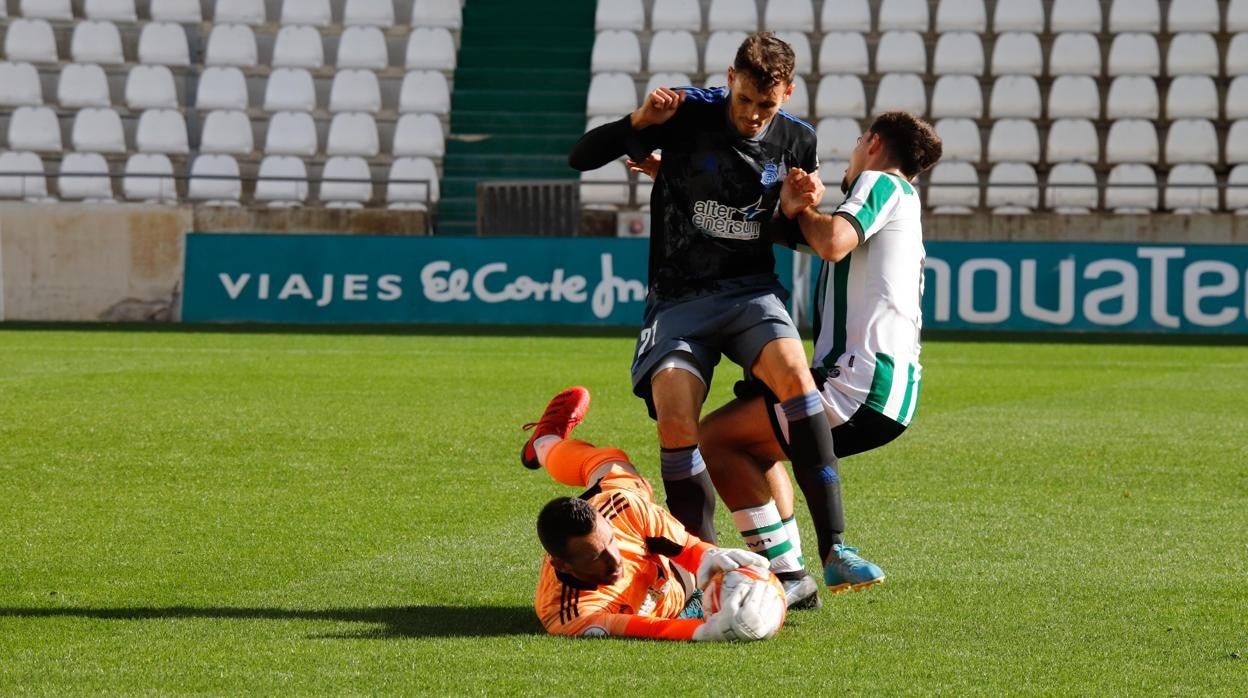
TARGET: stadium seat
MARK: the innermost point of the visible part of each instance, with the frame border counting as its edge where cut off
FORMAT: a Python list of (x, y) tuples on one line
[(1017, 16), (419, 134), (298, 47), (162, 131), (1015, 96), (721, 50), (1134, 54), (1132, 97), (178, 11), (902, 15), (152, 87), (1236, 98), (437, 13), (961, 15), (1237, 141), (605, 187), (901, 52), (250, 12), (413, 183), (1236, 190), (628, 15), (667, 80), (85, 177), (111, 10), (368, 13), (1131, 188), (290, 89), (802, 55), (428, 91), (1237, 16), (1135, 16), (1012, 189), (164, 43), (1194, 16), (611, 94), (30, 40), (215, 181), (845, 16), (789, 15), (837, 137), (840, 95), (1073, 140), (20, 85), (1075, 53), (1014, 140), (957, 96), (953, 188), (355, 90), (799, 102), (347, 182), (24, 176), (843, 53), (1131, 140), (36, 129), (96, 42), (672, 51), (1237, 55), (1191, 189), (616, 51), (291, 133), (227, 132), (1192, 141), (231, 44), (683, 15), (83, 85), (282, 181), (149, 178), (1017, 53), (732, 15), (311, 13), (353, 134), (1072, 188), (1074, 96), (1075, 16), (960, 138), (958, 53), (596, 121), (1194, 97), (221, 88), (1193, 53), (47, 9), (363, 47), (900, 92), (430, 48)]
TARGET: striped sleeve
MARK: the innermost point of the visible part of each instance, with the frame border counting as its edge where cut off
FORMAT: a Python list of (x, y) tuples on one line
[(872, 200)]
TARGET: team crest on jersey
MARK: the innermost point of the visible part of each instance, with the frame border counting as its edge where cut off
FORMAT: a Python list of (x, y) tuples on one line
[(771, 174)]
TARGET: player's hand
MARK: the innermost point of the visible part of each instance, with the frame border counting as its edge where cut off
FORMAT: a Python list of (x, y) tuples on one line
[(801, 190), (758, 614), (727, 559), (648, 167), (718, 626), (660, 105)]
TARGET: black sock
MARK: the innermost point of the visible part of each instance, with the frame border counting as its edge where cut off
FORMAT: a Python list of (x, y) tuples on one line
[(815, 468), (690, 497)]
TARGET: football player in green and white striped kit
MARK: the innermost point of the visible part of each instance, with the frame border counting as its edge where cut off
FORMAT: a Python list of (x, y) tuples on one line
[(866, 361)]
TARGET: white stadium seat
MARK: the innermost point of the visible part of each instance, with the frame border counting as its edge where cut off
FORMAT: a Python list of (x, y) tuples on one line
[(231, 44), (957, 95), (961, 140), (732, 15), (1134, 54), (841, 95), (290, 89), (149, 178), (1132, 97), (96, 42), (837, 137), (369, 13), (298, 47), (1237, 141), (900, 92), (1194, 16), (1191, 189), (1074, 96), (419, 134), (1237, 16), (181, 11), (1237, 55), (843, 53), (428, 91), (353, 134), (20, 85), (1073, 140), (1017, 53), (799, 102), (413, 183), (282, 181), (958, 53), (363, 47), (151, 87), (1135, 16), (672, 51), (1013, 188), (1014, 140), (1015, 96), (355, 90), (1132, 140), (30, 40), (685, 15), (111, 10), (24, 176), (164, 43), (803, 57), (1192, 140), (215, 181), (312, 13), (249, 12), (1236, 190), (1236, 98), (789, 15), (437, 13), (845, 16), (228, 132), (1071, 188), (36, 129), (620, 14), (1075, 16), (47, 9), (954, 188), (1194, 96), (616, 51), (667, 80), (430, 48), (901, 52), (1131, 188), (222, 87), (1017, 16), (347, 182), (961, 15), (291, 133), (721, 51), (611, 94), (605, 187), (83, 85), (84, 177), (902, 14), (98, 130), (162, 131), (1075, 53), (1193, 53)]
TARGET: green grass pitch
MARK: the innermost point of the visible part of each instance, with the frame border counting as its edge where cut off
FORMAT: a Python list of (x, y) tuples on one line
[(331, 513)]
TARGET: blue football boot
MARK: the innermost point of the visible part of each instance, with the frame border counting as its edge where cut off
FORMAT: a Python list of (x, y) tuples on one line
[(846, 570)]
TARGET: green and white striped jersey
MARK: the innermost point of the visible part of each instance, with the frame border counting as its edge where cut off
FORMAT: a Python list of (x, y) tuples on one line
[(868, 305)]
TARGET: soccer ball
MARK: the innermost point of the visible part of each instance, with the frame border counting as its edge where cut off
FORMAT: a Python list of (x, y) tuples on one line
[(755, 599)]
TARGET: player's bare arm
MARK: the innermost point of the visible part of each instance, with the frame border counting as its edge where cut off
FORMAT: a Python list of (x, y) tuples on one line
[(830, 236)]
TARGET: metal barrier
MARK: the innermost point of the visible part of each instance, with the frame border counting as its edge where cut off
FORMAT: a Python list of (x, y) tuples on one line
[(545, 207)]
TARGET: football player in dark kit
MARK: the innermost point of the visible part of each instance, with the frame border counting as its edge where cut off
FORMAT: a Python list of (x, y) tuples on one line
[(713, 289)]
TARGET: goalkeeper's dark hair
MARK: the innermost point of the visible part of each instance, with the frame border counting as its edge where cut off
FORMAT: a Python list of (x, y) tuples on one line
[(563, 518), (911, 141)]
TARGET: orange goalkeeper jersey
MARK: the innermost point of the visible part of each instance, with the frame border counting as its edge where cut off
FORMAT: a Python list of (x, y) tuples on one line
[(649, 594)]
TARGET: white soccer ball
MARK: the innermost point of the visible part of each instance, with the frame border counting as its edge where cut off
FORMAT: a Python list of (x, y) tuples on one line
[(754, 601)]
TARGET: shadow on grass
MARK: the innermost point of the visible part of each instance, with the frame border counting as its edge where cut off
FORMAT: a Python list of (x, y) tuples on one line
[(388, 622)]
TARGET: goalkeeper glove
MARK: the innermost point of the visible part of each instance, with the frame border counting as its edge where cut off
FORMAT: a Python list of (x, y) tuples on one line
[(727, 559)]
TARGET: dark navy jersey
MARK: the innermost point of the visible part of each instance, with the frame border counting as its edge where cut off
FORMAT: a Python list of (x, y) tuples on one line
[(715, 190)]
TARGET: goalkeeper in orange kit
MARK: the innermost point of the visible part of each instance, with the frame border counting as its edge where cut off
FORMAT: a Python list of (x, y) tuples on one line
[(617, 564)]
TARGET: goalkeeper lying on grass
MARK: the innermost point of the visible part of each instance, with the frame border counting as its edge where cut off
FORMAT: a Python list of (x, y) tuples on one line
[(617, 564)]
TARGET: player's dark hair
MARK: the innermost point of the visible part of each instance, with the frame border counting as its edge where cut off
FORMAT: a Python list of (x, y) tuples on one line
[(911, 141), (766, 60), (563, 518)]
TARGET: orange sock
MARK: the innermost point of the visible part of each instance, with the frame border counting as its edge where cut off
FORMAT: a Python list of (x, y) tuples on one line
[(572, 461)]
